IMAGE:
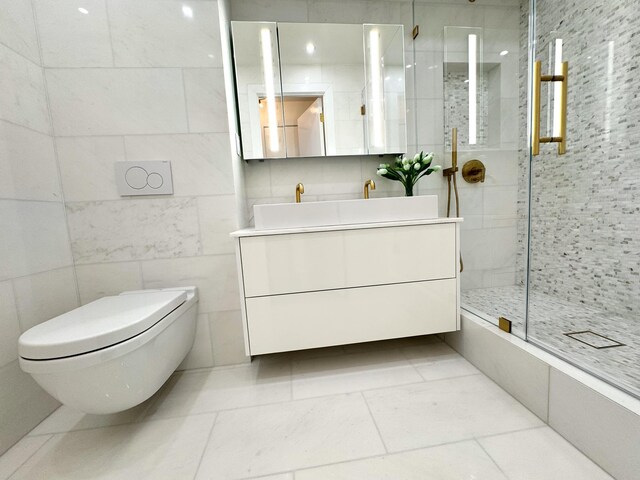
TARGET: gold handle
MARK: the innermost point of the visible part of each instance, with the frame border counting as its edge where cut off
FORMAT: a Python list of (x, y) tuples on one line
[(454, 149), (538, 78)]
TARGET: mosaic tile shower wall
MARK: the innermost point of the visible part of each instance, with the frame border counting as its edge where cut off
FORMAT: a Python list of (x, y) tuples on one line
[(456, 100), (586, 204)]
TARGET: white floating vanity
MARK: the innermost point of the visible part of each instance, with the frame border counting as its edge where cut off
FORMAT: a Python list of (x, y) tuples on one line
[(319, 286)]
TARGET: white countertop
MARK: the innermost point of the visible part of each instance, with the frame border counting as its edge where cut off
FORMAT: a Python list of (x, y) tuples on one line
[(252, 232)]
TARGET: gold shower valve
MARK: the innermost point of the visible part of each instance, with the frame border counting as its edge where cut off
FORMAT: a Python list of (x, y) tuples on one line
[(473, 171)]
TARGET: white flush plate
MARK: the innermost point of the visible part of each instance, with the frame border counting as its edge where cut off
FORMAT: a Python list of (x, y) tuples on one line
[(144, 178)]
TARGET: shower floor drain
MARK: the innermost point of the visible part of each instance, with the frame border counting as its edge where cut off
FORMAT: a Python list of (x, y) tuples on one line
[(594, 340)]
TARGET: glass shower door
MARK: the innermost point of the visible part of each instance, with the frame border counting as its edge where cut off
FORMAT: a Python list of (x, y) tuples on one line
[(584, 237)]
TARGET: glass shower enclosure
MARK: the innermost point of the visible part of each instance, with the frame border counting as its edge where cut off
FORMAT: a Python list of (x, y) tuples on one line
[(547, 98)]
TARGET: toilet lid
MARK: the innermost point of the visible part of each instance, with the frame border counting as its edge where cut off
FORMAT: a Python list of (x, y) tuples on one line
[(98, 324)]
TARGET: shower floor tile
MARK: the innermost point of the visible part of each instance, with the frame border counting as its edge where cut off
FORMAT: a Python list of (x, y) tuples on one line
[(551, 318), (402, 409)]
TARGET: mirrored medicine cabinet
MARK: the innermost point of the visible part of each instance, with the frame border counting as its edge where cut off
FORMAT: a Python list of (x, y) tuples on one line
[(315, 90)]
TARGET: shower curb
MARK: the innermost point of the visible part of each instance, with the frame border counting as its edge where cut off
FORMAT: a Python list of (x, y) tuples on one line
[(597, 418)]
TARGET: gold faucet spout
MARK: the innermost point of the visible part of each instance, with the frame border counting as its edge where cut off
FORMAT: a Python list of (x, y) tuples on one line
[(299, 191), (368, 184)]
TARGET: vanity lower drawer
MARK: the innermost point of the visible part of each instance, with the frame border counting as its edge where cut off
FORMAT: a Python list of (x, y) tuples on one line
[(305, 262), (320, 319)]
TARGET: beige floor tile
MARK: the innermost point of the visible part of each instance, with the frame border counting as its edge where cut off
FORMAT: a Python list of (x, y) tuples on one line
[(278, 438), (350, 373), (13, 458), (164, 449), (431, 413), (540, 454), (465, 460)]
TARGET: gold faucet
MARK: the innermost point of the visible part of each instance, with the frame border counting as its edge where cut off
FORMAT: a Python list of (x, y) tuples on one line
[(299, 190), (367, 184)]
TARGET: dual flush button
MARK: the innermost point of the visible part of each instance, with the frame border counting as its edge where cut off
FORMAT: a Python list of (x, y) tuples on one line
[(144, 178)]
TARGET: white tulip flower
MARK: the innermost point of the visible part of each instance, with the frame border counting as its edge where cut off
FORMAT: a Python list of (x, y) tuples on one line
[(416, 157), (407, 167), (382, 171), (417, 166)]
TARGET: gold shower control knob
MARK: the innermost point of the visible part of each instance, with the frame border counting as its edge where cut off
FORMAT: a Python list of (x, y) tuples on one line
[(473, 171)]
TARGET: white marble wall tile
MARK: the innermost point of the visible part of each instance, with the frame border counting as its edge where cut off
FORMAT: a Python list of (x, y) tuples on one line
[(200, 355), (22, 92), (206, 99), (325, 177), (18, 30), (70, 38), (23, 404), (429, 80), (165, 33), (28, 167), (42, 296), (102, 279), (9, 326), (217, 219), (86, 167), (214, 275), (94, 101), (500, 200), (430, 123), (33, 237), (269, 10), (200, 163), (227, 338), (360, 11), (133, 229)]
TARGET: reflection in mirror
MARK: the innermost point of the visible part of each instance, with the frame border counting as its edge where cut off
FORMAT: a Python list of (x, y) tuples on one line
[(322, 82), (303, 126), (258, 87), (385, 72)]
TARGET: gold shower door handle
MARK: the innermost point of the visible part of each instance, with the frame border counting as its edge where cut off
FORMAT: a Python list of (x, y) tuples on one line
[(538, 78)]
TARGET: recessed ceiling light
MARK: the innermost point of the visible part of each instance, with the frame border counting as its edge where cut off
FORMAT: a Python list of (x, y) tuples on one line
[(210, 55), (187, 11), (409, 66), (466, 81), (83, 10), (504, 52), (311, 48)]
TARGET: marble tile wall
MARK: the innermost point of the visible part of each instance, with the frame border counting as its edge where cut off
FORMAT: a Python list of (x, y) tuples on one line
[(37, 279), (144, 80), (585, 217)]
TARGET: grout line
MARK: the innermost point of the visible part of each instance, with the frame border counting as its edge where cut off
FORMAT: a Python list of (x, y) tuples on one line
[(13, 472), (375, 424), (186, 104), (22, 55), (206, 444), (509, 432), (108, 18), (493, 460)]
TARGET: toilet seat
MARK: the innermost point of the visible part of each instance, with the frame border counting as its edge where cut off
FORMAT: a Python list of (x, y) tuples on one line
[(98, 325)]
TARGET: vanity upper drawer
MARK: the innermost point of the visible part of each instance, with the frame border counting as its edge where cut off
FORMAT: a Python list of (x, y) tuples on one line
[(303, 262)]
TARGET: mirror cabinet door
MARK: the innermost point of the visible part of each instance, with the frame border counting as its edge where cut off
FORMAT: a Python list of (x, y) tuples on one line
[(385, 81), (259, 91), (322, 83)]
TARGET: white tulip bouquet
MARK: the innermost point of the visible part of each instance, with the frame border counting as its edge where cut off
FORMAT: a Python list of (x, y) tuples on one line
[(409, 170)]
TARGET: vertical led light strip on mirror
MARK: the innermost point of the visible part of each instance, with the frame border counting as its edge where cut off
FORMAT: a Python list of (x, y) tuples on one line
[(473, 85), (377, 113), (267, 69)]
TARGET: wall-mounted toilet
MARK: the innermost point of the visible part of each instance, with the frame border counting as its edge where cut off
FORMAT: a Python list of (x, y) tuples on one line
[(114, 353)]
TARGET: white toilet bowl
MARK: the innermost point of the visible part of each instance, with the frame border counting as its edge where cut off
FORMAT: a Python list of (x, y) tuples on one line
[(114, 353)]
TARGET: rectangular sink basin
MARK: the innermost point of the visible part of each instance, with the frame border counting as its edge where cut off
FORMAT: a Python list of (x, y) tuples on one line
[(345, 212)]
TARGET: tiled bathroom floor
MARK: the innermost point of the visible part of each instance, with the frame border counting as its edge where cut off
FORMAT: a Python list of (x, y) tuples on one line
[(550, 318), (406, 409)]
